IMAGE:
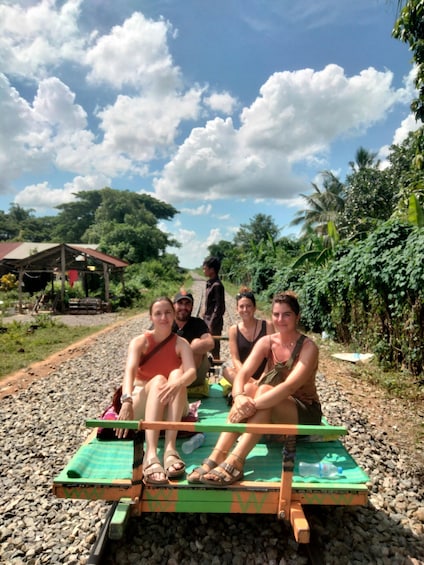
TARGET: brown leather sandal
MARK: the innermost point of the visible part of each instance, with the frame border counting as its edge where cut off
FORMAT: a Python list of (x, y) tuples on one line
[(224, 474), (197, 473), (170, 459), (153, 467)]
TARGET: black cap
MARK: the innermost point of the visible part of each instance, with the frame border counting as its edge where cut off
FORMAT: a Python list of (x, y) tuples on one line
[(183, 295)]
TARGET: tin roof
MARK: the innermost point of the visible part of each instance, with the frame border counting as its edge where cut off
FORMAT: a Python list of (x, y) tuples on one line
[(46, 256)]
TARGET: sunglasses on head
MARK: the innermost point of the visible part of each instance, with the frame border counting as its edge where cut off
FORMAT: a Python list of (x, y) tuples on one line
[(245, 295)]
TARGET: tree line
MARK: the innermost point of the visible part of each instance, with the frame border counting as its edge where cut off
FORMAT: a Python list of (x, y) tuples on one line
[(357, 265)]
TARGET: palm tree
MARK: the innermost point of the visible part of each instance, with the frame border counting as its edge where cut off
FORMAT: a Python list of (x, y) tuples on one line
[(323, 206), (364, 159)]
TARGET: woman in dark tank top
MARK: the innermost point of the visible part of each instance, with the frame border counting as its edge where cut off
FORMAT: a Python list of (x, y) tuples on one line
[(243, 336)]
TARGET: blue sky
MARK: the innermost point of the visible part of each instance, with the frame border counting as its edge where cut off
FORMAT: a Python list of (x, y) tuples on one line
[(224, 109)]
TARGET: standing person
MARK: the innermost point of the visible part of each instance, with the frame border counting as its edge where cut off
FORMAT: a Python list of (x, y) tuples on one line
[(243, 336), (214, 301), (154, 388), (196, 332), (287, 395)]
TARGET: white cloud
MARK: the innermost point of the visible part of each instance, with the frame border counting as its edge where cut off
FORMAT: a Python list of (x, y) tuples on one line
[(43, 197), (141, 129), (193, 250), (300, 113), (55, 104), (221, 102), (54, 131), (296, 118), (202, 210), (16, 119), (36, 37), (135, 54), (407, 125)]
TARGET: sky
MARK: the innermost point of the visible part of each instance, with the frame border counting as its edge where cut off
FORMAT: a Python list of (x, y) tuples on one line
[(224, 109)]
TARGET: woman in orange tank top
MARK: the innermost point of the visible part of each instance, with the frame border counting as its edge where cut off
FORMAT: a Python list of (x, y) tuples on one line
[(157, 389)]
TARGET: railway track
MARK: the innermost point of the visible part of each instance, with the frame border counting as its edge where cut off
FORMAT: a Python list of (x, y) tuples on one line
[(313, 551)]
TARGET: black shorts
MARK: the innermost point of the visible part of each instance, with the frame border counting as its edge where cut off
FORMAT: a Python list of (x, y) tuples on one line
[(308, 414)]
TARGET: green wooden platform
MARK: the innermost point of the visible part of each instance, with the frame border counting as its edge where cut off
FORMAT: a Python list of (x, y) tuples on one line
[(112, 470)]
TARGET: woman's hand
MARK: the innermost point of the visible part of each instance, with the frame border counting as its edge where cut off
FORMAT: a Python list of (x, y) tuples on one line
[(126, 413), (244, 407), (169, 391)]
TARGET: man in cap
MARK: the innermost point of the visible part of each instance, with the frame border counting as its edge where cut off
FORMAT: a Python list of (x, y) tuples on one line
[(195, 331)]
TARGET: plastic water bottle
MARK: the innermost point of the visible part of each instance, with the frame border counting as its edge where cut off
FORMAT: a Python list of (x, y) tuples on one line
[(320, 470), (193, 443)]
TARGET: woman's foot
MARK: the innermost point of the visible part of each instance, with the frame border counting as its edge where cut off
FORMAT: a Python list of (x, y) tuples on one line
[(226, 473), (153, 472), (207, 465), (174, 465)]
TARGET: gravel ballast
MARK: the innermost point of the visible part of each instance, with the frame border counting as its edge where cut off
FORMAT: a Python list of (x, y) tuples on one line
[(44, 424)]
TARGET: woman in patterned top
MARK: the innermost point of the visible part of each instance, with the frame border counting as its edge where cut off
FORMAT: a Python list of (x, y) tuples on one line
[(285, 395)]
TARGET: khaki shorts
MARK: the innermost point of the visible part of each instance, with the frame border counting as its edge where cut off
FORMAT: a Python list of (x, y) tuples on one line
[(141, 408), (201, 372)]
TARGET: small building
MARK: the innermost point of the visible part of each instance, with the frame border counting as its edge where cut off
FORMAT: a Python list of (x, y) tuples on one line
[(47, 262)]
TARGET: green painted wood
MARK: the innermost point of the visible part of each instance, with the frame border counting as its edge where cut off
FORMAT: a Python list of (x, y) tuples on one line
[(119, 519), (206, 427)]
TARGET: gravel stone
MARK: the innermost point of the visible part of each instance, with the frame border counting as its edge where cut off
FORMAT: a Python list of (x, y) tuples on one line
[(44, 424)]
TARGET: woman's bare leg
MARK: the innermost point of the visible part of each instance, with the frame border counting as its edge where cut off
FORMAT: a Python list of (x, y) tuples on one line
[(286, 413), (175, 412), (154, 412)]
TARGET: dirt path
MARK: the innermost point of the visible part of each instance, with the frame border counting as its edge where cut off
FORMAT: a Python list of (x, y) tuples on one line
[(401, 420)]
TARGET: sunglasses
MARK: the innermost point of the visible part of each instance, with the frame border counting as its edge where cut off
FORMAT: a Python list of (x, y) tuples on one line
[(245, 295)]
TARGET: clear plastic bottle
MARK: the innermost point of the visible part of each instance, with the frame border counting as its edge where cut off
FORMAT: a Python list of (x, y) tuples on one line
[(322, 469), (193, 443)]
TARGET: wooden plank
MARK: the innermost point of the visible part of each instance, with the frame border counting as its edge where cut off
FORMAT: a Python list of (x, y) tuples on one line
[(270, 429), (299, 523)]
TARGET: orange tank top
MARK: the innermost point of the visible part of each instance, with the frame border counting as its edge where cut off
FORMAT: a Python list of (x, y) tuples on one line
[(161, 363)]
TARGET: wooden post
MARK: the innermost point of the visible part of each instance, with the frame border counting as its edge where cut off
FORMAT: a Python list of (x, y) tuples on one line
[(62, 277), (289, 455), (21, 281), (106, 277)]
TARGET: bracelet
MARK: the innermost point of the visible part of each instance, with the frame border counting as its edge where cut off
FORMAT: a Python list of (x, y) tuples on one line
[(126, 398), (239, 394)]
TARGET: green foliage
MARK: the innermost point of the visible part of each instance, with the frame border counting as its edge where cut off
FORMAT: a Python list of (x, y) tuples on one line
[(123, 223), (323, 206), (409, 28), (370, 198), (146, 281), (26, 343), (260, 228), (415, 212), (21, 225), (373, 296)]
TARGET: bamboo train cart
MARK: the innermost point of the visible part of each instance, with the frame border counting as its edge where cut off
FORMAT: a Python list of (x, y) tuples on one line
[(112, 470)]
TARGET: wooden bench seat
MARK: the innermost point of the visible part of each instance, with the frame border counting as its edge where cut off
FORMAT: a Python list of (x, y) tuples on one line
[(85, 306)]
